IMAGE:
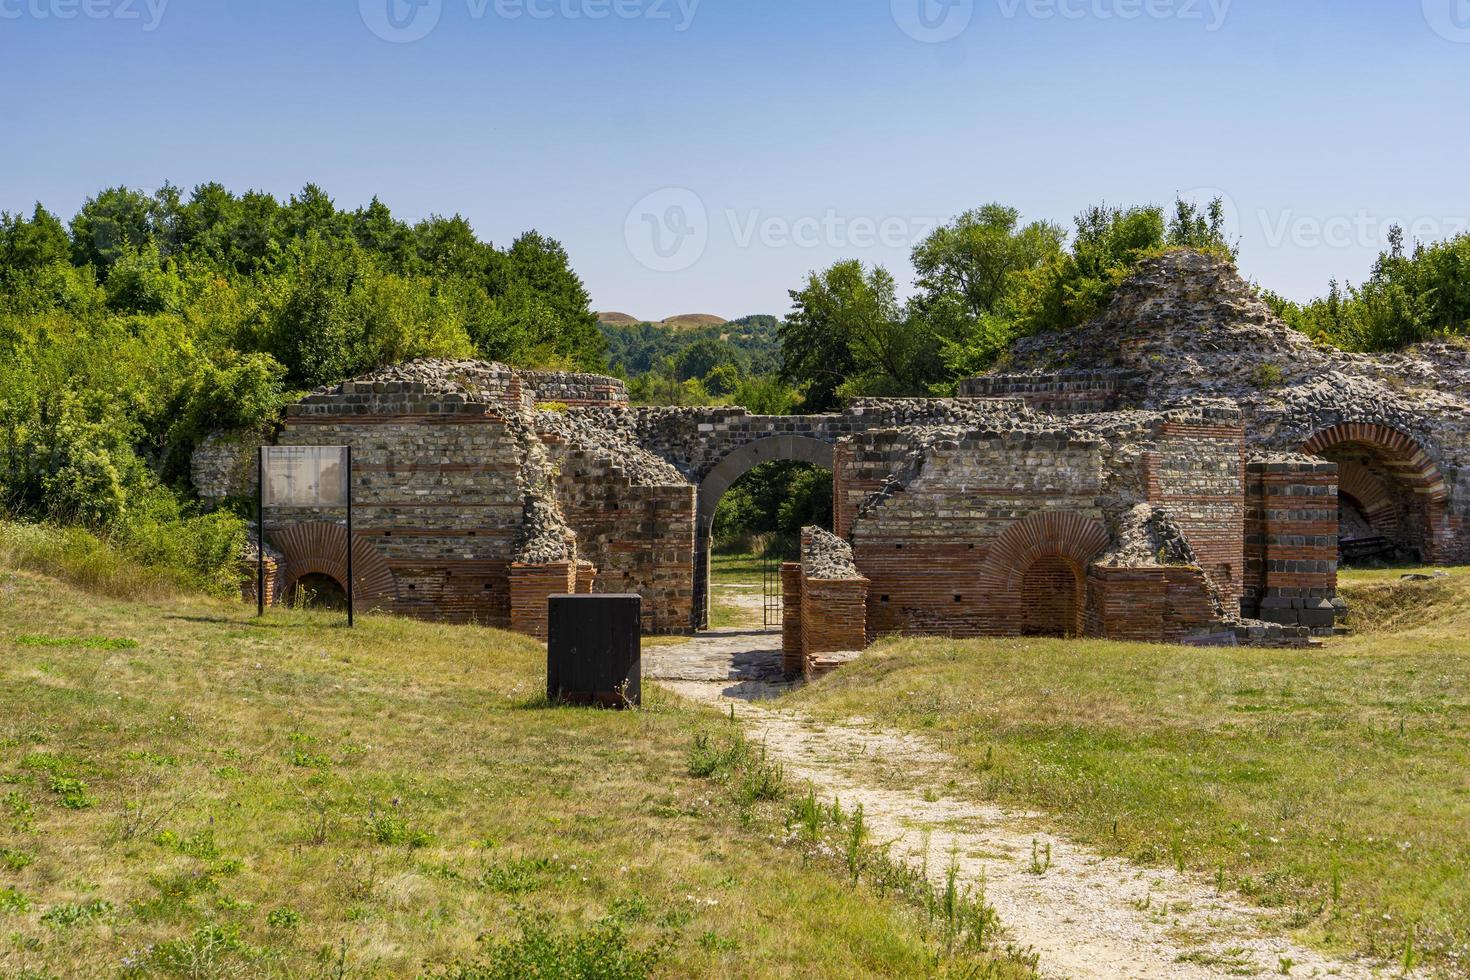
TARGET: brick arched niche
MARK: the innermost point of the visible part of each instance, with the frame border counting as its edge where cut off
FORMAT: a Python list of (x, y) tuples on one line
[(722, 476), (320, 548), (1034, 579), (1393, 482)]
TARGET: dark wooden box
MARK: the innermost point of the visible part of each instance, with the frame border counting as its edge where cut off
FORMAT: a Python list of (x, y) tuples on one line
[(594, 650)]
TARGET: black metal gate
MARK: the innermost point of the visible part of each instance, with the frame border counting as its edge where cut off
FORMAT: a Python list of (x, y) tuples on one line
[(776, 553)]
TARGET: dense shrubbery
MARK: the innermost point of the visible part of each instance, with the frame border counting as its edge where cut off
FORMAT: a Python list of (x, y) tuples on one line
[(1410, 297), (155, 320), (983, 280)]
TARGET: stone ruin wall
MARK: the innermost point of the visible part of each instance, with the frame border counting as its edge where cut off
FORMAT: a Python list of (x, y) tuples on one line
[(982, 515), (1187, 326), (994, 533)]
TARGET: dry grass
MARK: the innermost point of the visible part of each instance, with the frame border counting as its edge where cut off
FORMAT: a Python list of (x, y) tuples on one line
[(190, 792), (1330, 784)]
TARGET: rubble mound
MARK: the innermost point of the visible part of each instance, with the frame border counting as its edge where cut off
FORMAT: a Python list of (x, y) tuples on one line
[(609, 433), (545, 538), (1147, 537), (826, 557), (436, 376)]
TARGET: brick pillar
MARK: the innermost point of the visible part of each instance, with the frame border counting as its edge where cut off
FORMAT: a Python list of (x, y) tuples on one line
[(530, 588), (792, 661), (1298, 529), (272, 581), (834, 619), (586, 577), (843, 514)]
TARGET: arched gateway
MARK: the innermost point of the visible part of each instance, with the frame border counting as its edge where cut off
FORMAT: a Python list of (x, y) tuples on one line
[(741, 460)]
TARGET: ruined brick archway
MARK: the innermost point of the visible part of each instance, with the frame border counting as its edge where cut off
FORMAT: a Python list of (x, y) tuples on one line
[(320, 548), (1030, 562), (722, 476), (1392, 480)]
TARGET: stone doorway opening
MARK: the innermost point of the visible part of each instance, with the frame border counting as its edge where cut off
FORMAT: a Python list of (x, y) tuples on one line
[(317, 590), (1391, 495), (1052, 592), (756, 528)]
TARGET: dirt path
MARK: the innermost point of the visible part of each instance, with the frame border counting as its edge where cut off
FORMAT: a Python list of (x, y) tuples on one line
[(1086, 915)]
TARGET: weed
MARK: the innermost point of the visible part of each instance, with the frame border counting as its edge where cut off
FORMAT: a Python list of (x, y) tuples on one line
[(516, 877), (19, 809), (13, 860), (13, 901), (806, 815), (857, 833), (73, 793), (70, 914), (205, 953), (1040, 858), (602, 951), (283, 918), (1269, 376), (393, 830)]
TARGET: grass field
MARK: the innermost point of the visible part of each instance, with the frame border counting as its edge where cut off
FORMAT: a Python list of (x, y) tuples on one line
[(185, 791), (1333, 784)]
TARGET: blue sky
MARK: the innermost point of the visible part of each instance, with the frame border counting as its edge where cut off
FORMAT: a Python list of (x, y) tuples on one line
[(704, 155)]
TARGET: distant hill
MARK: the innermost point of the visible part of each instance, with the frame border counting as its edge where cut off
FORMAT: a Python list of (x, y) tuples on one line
[(634, 346), (693, 321), (684, 321)]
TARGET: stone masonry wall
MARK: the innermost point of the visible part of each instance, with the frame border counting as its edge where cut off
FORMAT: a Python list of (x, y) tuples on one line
[(575, 390), (925, 547), (1291, 541), (1196, 473)]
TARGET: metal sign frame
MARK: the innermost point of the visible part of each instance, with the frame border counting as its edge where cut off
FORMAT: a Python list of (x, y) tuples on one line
[(260, 531)]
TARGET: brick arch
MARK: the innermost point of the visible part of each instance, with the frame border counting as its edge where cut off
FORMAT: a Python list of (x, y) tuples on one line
[(1400, 452), (743, 459), (1368, 493), (320, 548), (1047, 537), (731, 467), (1407, 462)]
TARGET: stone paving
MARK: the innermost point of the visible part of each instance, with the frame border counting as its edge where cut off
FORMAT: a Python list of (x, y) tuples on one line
[(745, 660)]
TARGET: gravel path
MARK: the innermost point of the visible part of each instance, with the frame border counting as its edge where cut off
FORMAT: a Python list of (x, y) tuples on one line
[(1088, 916)]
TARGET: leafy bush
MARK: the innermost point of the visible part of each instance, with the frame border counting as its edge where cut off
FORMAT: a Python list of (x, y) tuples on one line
[(600, 952)]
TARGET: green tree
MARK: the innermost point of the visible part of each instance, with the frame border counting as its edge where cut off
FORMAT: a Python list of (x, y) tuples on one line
[(977, 256), (110, 223), (26, 246)]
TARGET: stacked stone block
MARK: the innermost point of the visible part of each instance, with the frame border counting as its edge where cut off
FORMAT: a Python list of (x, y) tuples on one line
[(1291, 541)]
